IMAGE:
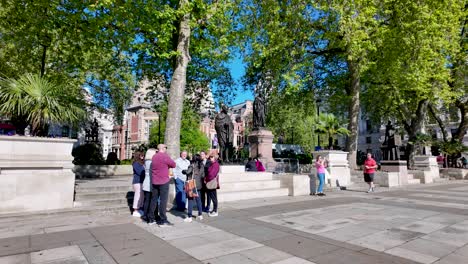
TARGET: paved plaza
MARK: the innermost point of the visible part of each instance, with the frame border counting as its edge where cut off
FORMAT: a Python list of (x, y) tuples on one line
[(415, 224)]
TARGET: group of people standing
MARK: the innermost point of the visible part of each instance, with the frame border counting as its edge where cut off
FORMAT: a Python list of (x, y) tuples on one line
[(195, 180)]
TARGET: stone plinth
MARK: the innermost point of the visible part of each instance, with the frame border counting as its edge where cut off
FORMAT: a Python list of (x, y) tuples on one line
[(399, 166), (428, 164), (96, 171), (261, 145), (35, 174), (338, 167), (297, 184), (387, 179)]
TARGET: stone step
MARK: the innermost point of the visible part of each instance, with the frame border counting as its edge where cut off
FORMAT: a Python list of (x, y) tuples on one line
[(89, 196), (69, 212), (414, 181), (245, 195), (232, 169), (250, 185), (102, 202), (437, 180), (246, 176), (122, 188)]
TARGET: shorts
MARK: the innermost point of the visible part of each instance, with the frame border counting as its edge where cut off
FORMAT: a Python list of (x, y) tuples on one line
[(368, 177)]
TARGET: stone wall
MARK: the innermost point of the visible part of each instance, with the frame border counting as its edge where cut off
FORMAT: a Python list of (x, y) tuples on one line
[(96, 171), (35, 174)]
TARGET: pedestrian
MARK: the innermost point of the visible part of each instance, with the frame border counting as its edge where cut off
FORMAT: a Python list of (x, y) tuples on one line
[(251, 165), (195, 173), (320, 166), (204, 197), (212, 184), (160, 165), (146, 186), (138, 178), (259, 165), (369, 170), (464, 162), (182, 163)]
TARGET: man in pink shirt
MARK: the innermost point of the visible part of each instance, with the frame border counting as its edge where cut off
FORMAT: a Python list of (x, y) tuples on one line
[(369, 170), (161, 163)]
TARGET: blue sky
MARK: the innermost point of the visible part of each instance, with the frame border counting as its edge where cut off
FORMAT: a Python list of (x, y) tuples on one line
[(237, 70)]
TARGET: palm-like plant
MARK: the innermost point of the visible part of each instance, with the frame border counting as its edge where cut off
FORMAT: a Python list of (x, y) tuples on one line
[(37, 101), (329, 125)]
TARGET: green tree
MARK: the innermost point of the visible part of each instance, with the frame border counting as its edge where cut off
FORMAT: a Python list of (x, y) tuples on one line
[(292, 116), (330, 126), (416, 43), (36, 101), (191, 138), (183, 40), (67, 43)]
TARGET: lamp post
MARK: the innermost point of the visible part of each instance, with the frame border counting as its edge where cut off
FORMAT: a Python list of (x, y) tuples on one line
[(159, 128), (318, 101)]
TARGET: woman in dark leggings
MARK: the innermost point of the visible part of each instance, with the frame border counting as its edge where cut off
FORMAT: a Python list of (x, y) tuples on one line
[(212, 175)]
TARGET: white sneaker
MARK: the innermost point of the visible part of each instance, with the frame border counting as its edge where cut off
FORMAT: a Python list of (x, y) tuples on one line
[(188, 220), (213, 214), (136, 213), (200, 217)]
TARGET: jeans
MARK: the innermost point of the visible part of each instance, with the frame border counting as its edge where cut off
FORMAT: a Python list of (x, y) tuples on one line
[(190, 204), (213, 197), (147, 202), (160, 192), (180, 194), (321, 177), (204, 197)]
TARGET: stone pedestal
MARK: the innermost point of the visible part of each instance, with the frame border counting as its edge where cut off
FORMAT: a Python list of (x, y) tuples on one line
[(399, 166), (297, 184), (338, 167), (387, 179), (35, 174), (428, 164), (261, 144)]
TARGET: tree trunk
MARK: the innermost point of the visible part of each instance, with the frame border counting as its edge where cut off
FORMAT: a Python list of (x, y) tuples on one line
[(413, 129), (352, 140), (439, 121), (43, 60), (463, 127), (177, 90)]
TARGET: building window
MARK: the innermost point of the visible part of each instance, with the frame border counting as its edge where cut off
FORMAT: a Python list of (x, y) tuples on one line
[(368, 140)]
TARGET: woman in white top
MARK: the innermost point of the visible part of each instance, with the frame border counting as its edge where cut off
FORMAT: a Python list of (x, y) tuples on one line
[(146, 186)]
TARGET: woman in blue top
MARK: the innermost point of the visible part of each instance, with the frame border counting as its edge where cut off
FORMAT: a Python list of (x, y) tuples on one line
[(138, 178)]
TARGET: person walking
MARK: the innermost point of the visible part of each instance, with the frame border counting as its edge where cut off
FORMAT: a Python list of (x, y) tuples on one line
[(138, 178), (204, 197), (369, 170), (320, 166), (212, 184), (195, 173), (160, 165), (146, 186)]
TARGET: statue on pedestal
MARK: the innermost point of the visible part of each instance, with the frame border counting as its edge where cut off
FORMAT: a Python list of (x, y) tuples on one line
[(225, 133), (389, 147)]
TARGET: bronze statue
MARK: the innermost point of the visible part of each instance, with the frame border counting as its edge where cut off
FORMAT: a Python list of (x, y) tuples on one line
[(225, 133), (389, 148), (259, 112)]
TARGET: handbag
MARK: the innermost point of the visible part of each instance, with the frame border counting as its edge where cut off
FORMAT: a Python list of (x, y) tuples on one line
[(191, 188), (213, 184)]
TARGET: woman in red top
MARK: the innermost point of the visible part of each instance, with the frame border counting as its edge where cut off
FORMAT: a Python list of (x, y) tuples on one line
[(369, 169)]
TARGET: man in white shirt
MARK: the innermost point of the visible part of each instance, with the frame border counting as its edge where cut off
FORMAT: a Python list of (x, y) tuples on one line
[(182, 163)]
